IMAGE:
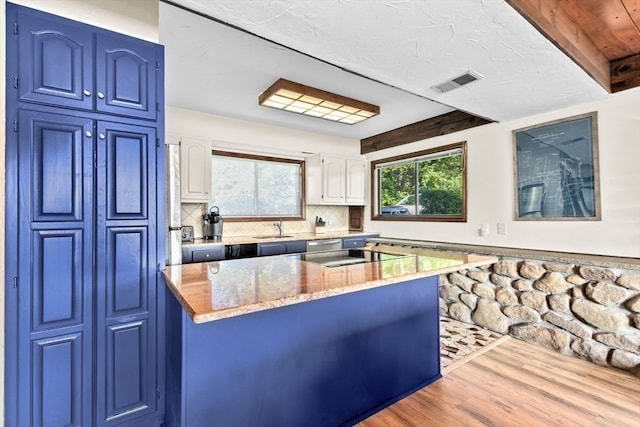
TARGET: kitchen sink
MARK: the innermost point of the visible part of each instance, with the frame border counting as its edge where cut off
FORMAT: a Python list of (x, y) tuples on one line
[(273, 236)]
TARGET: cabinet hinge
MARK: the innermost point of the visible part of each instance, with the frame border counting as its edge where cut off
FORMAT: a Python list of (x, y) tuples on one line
[(157, 65), (157, 107), (95, 160), (16, 82), (15, 126), (16, 28), (157, 142), (158, 394), (15, 282)]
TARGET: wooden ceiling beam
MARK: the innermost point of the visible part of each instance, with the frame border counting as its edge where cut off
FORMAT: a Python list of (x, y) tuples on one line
[(557, 25), (625, 73), (440, 125)]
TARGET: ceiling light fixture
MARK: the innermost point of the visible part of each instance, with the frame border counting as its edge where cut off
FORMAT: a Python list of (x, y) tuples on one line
[(298, 98)]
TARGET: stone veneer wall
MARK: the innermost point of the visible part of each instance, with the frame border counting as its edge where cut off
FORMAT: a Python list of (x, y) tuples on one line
[(575, 308)]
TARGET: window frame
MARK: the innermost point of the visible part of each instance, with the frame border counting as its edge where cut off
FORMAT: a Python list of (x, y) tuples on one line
[(247, 156), (375, 199)]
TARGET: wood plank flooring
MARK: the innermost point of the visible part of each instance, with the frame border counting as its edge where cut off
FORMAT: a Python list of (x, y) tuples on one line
[(517, 384)]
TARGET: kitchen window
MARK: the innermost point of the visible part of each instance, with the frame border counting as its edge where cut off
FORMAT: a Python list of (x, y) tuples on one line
[(253, 188), (429, 185)]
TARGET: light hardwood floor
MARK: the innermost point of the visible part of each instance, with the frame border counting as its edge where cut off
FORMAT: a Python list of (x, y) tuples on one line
[(518, 384)]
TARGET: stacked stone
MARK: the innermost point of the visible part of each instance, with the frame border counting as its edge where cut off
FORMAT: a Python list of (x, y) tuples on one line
[(583, 311)]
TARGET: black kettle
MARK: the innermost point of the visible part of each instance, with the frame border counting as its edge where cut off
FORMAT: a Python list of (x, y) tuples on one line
[(212, 224)]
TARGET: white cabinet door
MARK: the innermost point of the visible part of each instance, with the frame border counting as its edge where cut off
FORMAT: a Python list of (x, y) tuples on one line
[(195, 170), (355, 170), (333, 179)]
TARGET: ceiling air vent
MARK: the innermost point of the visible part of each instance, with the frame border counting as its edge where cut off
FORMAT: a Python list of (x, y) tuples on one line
[(455, 83)]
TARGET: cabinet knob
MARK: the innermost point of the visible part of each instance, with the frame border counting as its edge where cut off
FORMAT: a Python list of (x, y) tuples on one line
[(101, 136), (100, 95), (88, 134), (86, 92)]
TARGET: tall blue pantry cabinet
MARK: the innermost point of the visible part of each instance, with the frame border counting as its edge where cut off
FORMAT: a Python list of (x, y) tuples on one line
[(84, 236)]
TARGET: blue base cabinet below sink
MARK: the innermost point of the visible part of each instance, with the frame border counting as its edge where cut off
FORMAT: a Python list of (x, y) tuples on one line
[(327, 362), (284, 247)]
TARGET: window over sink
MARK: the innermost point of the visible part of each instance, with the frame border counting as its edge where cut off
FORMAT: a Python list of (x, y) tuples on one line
[(248, 187), (429, 185)]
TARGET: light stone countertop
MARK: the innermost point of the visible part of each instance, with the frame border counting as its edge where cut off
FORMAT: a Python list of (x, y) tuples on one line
[(622, 263), (217, 290), (236, 240)]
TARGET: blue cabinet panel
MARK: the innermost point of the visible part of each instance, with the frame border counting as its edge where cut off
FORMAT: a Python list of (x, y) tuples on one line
[(58, 288), (277, 248), (323, 363), (126, 268), (127, 283), (126, 76), (57, 382), (296, 246), (54, 269), (55, 61), (284, 247), (59, 148), (127, 370), (124, 151), (83, 332)]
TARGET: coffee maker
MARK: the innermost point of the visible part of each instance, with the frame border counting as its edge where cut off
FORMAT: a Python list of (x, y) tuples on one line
[(212, 224)]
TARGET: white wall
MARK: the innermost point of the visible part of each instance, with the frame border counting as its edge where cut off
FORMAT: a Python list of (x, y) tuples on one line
[(490, 188), (137, 18), (253, 137)]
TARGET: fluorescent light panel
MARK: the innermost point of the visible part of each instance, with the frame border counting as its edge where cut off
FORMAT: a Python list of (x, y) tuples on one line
[(298, 98)]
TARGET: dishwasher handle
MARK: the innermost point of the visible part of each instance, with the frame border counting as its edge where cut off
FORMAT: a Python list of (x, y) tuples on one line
[(324, 245)]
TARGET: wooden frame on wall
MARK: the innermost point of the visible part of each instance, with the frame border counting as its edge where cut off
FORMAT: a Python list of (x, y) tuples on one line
[(556, 170)]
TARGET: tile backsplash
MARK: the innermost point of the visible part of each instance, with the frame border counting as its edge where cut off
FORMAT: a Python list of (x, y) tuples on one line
[(336, 217)]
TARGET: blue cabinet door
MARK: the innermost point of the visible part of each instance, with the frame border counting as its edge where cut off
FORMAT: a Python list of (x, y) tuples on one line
[(126, 273), (296, 246), (126, 75), (56, 66), (275, 248), (55, 186), (55, 60)]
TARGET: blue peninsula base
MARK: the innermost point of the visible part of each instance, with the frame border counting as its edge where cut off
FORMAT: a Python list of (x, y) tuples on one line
[(327, 362)]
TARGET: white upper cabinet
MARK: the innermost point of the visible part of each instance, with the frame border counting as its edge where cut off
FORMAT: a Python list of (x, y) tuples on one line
[(195, 170), (334, 180), (355, 170)]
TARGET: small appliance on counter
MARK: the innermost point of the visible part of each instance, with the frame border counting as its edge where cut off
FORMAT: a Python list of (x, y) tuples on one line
[(212, 224), (187, 233)]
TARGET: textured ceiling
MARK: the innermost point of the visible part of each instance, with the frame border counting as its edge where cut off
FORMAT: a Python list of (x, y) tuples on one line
[(409, 45)]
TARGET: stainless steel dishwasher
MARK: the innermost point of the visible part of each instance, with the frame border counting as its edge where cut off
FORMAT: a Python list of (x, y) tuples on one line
[(322, 245)]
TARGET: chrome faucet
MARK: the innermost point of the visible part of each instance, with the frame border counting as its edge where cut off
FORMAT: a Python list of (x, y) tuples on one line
[(280, 226)]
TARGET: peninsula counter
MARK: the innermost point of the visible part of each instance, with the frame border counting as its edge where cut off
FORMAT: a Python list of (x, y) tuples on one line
[(283, 341)]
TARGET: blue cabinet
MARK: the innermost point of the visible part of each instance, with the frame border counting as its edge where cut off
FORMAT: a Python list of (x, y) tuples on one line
[(356, 241), (84, 206), (57, 63), (284, 247), (126, 76), (55, 278), (126, 259), (203, 253)]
